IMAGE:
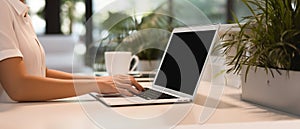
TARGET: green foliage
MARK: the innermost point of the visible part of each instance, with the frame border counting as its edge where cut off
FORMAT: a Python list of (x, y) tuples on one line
[(147, 43), (150, 32), (269, 38), (119, 25), (150, 54)]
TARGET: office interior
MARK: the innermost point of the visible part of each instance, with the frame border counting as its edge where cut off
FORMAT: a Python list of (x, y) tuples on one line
[(75, 35)]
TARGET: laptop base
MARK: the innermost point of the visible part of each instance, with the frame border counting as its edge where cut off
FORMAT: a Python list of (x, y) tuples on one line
[(135, 101)]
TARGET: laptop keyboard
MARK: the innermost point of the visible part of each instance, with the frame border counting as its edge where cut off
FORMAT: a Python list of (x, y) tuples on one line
[(150, 94)]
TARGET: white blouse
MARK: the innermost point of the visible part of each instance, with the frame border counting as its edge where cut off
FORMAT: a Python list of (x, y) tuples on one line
[(18, 39)]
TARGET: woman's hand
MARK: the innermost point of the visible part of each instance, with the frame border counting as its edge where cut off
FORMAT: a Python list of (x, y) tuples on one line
[(123, 84)]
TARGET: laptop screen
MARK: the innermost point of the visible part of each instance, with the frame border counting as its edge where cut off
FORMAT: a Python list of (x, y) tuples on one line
[(184, 60)]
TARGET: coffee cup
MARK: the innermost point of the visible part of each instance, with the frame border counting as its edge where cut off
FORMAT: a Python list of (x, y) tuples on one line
[(118, 62)]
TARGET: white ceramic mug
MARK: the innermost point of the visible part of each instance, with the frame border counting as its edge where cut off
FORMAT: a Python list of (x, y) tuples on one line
[(118, 62)]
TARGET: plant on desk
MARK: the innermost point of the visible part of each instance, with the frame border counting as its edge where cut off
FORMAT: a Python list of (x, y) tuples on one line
[(267, 53)]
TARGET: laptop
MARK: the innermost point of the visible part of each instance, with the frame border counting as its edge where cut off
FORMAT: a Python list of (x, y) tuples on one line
[(180, 71)]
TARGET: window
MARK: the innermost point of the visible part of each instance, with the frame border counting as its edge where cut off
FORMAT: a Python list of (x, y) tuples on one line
[(72, 16), (37, 17), (68, 16), (215, 10), (240, 9)]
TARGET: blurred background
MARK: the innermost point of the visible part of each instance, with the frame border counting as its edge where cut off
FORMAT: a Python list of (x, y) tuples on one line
[(75, 33)]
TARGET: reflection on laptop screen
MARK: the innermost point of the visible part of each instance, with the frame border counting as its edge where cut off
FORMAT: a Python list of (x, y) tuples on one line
[(184, 60)]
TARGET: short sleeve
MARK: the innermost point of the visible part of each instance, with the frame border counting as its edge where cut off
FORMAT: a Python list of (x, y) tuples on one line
[(9, 46)]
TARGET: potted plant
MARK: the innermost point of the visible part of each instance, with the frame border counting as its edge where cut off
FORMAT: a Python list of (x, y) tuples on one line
[(154, 31), (267, 54), (146, 37)]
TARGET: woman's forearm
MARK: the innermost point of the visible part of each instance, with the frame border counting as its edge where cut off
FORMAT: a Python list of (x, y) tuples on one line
[(64, 75), (31, 88)]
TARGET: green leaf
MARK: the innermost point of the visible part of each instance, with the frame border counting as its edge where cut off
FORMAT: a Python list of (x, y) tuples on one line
[(269, 38)]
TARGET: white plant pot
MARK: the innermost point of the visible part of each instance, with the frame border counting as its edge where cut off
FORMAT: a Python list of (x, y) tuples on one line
[(281, 92), (148, 65)]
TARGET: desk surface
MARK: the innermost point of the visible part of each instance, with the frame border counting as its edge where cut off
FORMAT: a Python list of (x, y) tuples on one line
[(81, 112)]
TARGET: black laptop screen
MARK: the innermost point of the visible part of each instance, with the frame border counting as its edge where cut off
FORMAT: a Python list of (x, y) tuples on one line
[(184, 60)]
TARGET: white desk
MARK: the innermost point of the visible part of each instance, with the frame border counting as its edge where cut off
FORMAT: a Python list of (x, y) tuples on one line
[(69, 113)]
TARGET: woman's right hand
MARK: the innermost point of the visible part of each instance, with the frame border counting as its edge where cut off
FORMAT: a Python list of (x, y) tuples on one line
[(123, 84)]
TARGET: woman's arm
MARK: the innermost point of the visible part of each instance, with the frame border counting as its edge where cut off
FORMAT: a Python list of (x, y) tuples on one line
[(64, 75), (23, 87)]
